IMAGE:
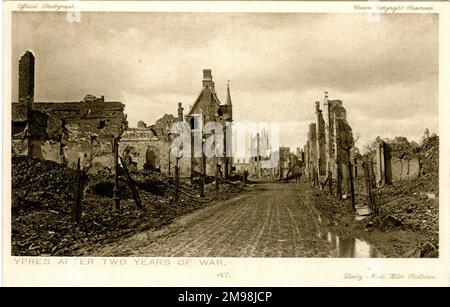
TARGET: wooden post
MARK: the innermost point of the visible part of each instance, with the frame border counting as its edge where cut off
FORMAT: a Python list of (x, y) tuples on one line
[(339, 182), (130, 182), (372, 196), (170, 149), (370, 199), (77, 204), (203, 172), (116, 175), (217, 176), (192, 153), (352, 187), (330, 182), (177, 185)]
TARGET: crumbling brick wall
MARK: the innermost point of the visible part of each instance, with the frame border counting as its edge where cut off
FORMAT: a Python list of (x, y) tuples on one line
[(66, 131), (396, 159)]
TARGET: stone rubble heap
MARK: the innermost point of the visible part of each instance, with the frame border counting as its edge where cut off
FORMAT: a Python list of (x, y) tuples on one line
[(42, 223)]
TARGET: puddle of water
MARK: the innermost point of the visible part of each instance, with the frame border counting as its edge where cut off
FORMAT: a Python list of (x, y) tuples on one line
[(350, 247), (345, 247)]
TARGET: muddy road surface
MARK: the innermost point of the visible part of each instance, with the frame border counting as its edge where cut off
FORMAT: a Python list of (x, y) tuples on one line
[(273, 220)]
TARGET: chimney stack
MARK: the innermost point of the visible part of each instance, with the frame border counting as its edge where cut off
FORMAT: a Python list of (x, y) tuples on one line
[(26, 78), (180, 112), (317, 106), (207, 78)]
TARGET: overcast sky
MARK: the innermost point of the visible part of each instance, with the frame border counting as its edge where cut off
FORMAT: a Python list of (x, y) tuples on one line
[(386, 71)]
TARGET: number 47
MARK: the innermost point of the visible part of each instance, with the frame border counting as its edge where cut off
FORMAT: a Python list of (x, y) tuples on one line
[(223, 275)]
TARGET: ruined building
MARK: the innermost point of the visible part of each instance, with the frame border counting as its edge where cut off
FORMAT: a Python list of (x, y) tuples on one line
[(330, 139), (149, 147), (264, 161), (64, 131), (395, 159), (208, 108), (285, 162)]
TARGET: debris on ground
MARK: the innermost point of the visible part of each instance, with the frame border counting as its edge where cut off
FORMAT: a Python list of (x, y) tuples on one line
[(43, 196), (410, 206)]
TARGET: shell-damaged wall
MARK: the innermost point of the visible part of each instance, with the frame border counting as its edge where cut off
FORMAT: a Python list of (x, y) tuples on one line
[(66, 131), (146, 149)]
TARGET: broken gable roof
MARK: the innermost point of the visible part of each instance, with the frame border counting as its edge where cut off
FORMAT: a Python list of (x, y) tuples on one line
[(205, 90)]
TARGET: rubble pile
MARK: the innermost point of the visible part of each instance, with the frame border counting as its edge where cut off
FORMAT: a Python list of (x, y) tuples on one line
[(413, 203), (408, 205), (42, 222), (37, 183), (429, 155), (405, 205)]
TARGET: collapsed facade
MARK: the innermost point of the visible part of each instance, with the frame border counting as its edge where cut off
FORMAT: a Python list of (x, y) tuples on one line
[(150, 147), (399, 159), (208, 108), (330, 141), (87, 129), (64, 131), (330, 150)]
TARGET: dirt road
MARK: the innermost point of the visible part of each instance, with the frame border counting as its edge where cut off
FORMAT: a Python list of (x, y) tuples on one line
[(274, 221)]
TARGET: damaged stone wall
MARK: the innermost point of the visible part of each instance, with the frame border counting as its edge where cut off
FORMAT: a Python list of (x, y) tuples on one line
[(141, 150), (320, 139), (284, 162), (311, 151), (148, 148), (64, 131), (399, 159), (327, 138)]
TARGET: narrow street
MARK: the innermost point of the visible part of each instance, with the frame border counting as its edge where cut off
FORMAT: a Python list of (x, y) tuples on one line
[(274, 222)]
